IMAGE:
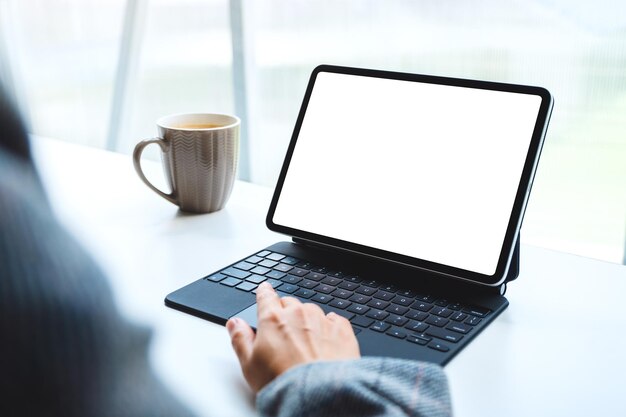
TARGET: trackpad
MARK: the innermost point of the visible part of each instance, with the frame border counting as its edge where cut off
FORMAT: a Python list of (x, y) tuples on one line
[(210, 300), (249, 315)]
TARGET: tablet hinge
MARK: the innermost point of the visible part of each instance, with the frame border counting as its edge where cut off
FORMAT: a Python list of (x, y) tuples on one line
[(499, 290)]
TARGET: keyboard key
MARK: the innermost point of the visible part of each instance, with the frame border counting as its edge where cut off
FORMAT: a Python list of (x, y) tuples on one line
[(257, 288), (246, 286), (246, 266), (407, 293), (476, 311), (460, 328), (326, 289), (237, 273), (299, 272), (283, 267), (441, 311), (328, 309), (339, 303), (288, 288), (263, 254), (402, 300), (331, 280), (261, 270), (442, 302), (379, 326), (473, 321), (274, 283), (275, 274), (256, 279), (353, 278), (396, 333), (315, 276), (268, 263), (438, 346), (361, 321), (396, 309), (426, 298), (371, 283), (358, 309), (377, 314), (443, 334), (230, 282), (379, 304), (421, 305), (420, 340), (361, 299), (384, 295), (458, 316), (455, 306), (336, 274), (321, 298), (347, 285), (343, 293), (254, 259), (306, 265), (289, 260), (437, 321), (365, 290), (304, 293), (416, 315), (396, 320), (417, 326), (320, 269), (292, 279), (216, 277), (275, 256), (388, 288), (307, 283)]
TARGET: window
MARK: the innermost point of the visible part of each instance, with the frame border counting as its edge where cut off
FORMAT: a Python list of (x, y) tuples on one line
[(64, 58), (184, 65)]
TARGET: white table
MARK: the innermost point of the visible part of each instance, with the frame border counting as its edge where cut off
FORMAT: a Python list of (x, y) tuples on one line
[(556, 351)]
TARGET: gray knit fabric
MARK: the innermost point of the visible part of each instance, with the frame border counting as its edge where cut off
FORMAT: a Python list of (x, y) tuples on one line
[(366, 387), (65, 350)]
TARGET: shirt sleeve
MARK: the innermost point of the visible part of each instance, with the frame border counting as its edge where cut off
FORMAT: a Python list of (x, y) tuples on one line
[(365, 387)]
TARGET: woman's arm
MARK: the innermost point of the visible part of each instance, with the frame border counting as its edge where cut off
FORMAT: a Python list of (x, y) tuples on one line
[(365, 387), (305, 363)]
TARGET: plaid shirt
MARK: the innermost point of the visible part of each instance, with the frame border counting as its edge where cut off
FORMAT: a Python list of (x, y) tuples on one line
[(365, 387)]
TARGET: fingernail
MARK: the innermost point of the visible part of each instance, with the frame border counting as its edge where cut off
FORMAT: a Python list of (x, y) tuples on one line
[(232, 323), (265, 285)]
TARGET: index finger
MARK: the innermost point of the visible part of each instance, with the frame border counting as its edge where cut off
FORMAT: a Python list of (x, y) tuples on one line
[(266, 299)]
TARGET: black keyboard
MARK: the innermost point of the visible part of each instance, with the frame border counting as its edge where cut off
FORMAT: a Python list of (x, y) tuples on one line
[(424, 319)]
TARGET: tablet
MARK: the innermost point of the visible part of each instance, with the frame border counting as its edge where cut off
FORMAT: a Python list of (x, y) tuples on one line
[(425, 171)]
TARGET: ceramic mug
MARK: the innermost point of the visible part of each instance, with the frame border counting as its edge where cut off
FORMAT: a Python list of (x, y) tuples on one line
[(200, 152)]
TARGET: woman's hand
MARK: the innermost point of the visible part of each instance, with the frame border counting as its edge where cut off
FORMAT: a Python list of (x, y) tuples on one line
[(289, 333)]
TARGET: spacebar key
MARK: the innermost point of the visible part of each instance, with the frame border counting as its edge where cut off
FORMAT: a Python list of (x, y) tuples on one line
[(327, 309)]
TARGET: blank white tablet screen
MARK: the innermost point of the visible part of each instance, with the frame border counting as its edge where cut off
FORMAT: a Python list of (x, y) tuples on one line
[(424, 170)]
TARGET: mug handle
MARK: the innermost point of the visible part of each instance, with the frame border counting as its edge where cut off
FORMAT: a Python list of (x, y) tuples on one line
[(137, 164)]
